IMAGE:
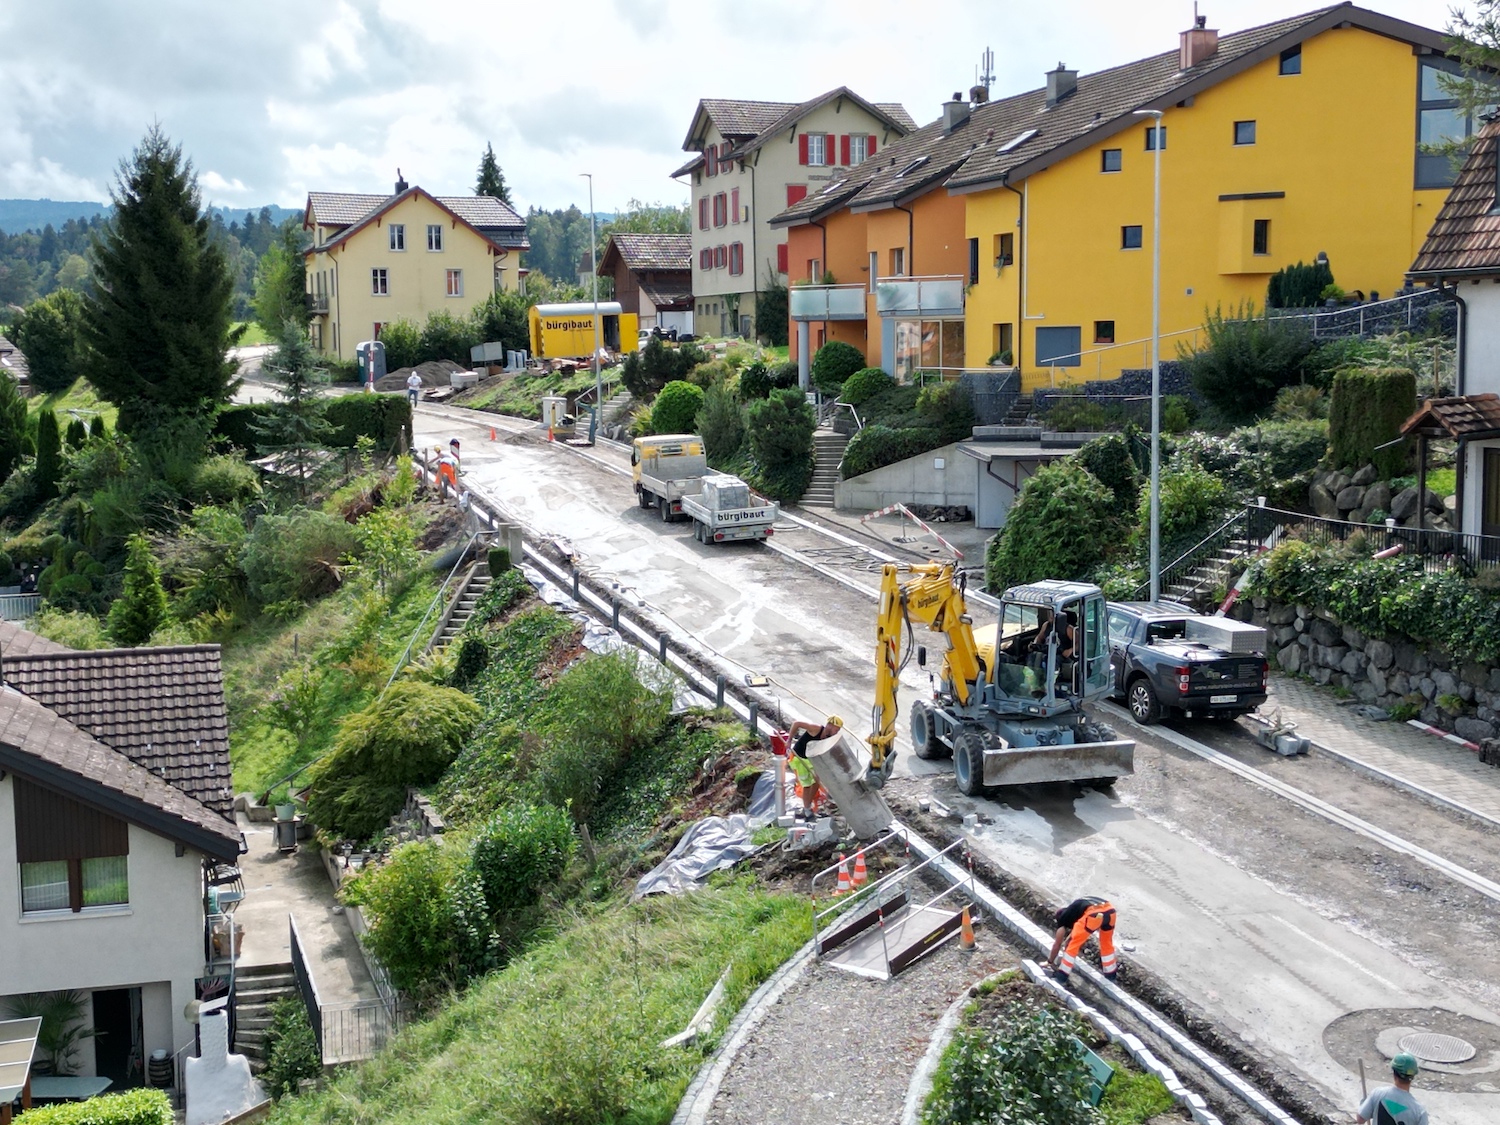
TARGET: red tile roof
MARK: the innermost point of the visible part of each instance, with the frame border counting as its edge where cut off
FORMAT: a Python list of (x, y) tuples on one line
[(1465, 416), (1465, 236)]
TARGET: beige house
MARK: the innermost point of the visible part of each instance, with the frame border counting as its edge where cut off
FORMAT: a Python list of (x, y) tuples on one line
[(753, 160), (377, 258)]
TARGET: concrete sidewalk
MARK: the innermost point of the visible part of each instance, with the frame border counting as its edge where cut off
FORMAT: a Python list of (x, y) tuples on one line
[(1412, 759)]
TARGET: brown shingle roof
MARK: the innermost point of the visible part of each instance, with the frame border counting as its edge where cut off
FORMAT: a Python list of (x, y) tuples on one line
[(650, 251), (735, 118), (749, 124), (13, 361), (1466, 416), (162, 708), (491, 215), (338, 208), (665, 296), (40, 744), (510, 236), (16, 641), (1465, 236), (900, 126)]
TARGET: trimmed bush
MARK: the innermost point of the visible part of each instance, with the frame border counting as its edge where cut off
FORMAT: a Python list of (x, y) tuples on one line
[(48, 469), (676, 408), (238, 425), (758, 380), (1298, 287), (833, 364), (721, 421), (949, 407), (1059, 527), (384, 417), (1109, 459), (1366, 411), (134, 1107), (863, 383), (876, 446), (521, 851), (780, 429)]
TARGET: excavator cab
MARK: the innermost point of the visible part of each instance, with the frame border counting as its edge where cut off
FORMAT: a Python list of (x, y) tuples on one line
[(1049, 652)]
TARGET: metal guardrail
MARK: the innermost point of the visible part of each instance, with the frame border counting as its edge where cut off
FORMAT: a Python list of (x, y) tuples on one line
[(349, 1031), (19, 607), (1407, 311), (305, 985)]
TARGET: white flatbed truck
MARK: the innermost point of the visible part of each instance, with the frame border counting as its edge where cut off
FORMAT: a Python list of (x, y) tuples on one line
[(672, 475)]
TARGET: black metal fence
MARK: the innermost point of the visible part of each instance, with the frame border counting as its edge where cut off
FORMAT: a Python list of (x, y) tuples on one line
[(305, 985), (348, 1031), (1438, 550)]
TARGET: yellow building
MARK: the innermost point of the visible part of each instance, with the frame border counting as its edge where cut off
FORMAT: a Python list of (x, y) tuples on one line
[(376, 259), (1282, 142)]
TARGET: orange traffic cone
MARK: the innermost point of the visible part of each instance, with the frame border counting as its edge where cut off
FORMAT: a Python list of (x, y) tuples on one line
[(492, 433), (844, 886), (861, 875), (966, 933), (549, 433)]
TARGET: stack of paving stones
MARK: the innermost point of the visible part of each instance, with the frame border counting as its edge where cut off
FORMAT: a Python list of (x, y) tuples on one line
[(1453, 695)]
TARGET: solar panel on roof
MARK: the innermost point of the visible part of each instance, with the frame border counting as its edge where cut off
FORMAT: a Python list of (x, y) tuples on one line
[(1018, 140)]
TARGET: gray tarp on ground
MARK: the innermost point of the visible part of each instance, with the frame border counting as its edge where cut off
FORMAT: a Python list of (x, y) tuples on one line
[(711, 844)]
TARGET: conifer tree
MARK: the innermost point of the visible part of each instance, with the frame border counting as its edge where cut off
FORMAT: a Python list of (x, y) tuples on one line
[(491, 179), (14, 441), (142, 605), (297, 424), (48, 456), (159, 316)]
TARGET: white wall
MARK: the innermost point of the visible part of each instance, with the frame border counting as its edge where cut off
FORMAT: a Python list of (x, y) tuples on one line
[(1481, 336), (917, 480), (157, 940)]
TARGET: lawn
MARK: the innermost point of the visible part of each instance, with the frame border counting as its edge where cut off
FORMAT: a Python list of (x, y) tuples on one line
[(521, 395), (254, 334), (80, 400)]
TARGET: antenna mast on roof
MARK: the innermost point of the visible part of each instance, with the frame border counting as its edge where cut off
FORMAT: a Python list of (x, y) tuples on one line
[(984, 73)]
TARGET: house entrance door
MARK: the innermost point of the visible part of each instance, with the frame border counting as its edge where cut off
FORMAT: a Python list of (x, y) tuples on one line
[(118, 1043), (1489, 498)]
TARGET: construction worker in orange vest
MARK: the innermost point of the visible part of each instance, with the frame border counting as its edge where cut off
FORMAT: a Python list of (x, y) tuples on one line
[(1080, 920)]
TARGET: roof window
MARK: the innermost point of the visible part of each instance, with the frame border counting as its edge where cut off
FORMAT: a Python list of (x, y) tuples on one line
[(1019, 140), (913, 166)]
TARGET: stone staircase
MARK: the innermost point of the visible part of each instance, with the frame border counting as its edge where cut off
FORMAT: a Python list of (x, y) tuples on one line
[(463, 606), (828, 451), (616, 406), (1020, 411), (257, 988), (1199, 585)]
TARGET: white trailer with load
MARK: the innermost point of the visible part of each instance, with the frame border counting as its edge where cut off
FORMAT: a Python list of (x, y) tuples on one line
[(672, 475)]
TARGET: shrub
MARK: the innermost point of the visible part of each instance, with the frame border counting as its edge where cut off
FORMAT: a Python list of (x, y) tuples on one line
[(384, 417), (523, 849), (48, 332), (1248, 359), (780, 429), (222, 481), (1302, 403), (758, 379), (1084, 415), (1299, 286), (77, 433), (1061, 526), (1366, 411), (134, 1107), (296, 556), (47, 472), (403, 344), (142, 606), (833, 364), (71, 628), (771, 311), (444, 336), (291, 1048), (1191, 500), (949, 407), (863, 383), (427, 917), (676, 408), (721, 421), (647, 371), (239, 425), (1108, 458), (876, 446)]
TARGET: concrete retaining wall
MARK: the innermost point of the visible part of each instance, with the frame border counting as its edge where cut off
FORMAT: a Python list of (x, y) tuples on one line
[(917, 480)]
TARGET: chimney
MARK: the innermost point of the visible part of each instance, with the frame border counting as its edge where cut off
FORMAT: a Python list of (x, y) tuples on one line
[(1060, 83), (1197, 45), (955, 112), (978, 95), (401, 185)]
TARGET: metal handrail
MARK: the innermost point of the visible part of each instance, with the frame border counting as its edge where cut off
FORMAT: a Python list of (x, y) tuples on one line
[(1208, 542), (437, 600), (858, 424), (901, 874)]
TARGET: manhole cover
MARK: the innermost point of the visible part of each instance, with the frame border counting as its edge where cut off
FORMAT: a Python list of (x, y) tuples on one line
[(1429, 1046)]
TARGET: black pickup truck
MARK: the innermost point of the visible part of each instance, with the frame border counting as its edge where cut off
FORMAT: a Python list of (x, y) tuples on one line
[(1163, 657)]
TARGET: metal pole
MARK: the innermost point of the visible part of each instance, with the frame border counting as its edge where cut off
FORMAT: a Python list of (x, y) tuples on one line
[(1155, 560), (594, 271)]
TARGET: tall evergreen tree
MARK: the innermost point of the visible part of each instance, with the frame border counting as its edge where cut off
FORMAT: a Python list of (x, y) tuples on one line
[(281, 281), (48, 456), (160, 313), (14, 440), (491, 180), (296, 425), (142, 605)]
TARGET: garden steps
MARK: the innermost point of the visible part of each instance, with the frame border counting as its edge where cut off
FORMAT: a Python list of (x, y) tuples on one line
[(463, 607), (257, 988), (828, 451), (615, 407)]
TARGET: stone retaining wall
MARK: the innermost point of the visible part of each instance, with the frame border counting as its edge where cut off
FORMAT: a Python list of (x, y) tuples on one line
[(1382, 671)]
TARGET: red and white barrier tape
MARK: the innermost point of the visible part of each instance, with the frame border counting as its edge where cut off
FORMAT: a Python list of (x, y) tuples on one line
[(1446, 736), (905, 511)]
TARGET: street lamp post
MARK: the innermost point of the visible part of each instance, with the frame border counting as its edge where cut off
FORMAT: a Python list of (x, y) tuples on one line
[(1155, 518), (594, 275)]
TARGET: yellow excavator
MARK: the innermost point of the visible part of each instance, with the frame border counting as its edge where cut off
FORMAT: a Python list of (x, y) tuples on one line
[(1008, 698)]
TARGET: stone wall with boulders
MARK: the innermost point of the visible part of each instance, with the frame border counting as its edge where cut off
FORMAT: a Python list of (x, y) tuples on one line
[(1359, 496), (1460, 697)]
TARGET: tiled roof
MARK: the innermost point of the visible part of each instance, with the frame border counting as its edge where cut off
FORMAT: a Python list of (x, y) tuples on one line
[(802, 109), (163, 708), (337, 208), (483, 211), (692, 165), (1465, 236), (510, 235), (749, 124), (41, 744), (1471, 416), (16, 641), (665, 296), (13, 361), (897, 113), (735, 118), (652, 251)]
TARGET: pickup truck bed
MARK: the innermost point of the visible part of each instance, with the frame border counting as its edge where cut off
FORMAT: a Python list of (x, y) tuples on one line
[(1156, 668), (723, 509)]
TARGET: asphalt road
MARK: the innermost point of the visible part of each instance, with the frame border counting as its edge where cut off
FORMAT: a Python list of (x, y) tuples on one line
[(1284, 928)]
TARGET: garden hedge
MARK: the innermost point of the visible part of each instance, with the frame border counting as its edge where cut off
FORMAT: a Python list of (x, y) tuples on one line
[(834, 363), (135, 1107), (1366, 412), (876, 446), (864, 383), (383, 417)]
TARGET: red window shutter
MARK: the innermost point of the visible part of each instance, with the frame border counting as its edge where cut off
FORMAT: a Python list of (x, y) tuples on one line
[(703, 213), (844, 150), (734, 205), (795, 194), (830, 149), (802, 149), (719, 257), (781, 258), (870, 147)]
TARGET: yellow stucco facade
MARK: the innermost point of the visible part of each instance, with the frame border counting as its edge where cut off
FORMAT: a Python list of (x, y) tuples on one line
[(1330, 169), (365, 276)]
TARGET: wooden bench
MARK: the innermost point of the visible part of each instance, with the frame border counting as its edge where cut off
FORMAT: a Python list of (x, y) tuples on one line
[(1100, 1072)]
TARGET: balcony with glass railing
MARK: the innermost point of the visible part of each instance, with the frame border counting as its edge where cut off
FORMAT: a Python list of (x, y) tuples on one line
[(827, 302), (920, 296)]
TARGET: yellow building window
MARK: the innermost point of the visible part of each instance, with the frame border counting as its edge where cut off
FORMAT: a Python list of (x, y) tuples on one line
[(1005, 250), (1261, 239), (455, 283)]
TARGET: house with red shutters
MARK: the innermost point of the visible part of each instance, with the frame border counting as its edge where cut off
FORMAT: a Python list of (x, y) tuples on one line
[(751, 160)]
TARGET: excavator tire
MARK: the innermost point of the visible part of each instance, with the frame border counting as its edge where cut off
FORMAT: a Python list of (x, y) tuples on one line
[(924, 739), (968, 761)]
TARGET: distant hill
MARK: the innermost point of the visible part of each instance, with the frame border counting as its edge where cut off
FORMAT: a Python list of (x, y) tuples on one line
[(17, 215)]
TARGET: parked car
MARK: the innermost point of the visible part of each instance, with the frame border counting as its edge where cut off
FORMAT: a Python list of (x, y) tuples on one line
[(1164, 657)]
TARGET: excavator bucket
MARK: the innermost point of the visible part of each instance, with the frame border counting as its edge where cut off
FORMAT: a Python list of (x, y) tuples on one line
[(1079, 761), (840, 769)]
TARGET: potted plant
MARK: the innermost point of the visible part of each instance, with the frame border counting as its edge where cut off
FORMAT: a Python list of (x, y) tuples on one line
[(63, 1029)]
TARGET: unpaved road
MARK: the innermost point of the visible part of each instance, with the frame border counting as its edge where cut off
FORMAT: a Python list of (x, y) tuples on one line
[(1285, 928)]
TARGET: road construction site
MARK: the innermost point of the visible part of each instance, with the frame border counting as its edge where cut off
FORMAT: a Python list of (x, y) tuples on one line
[(1294, 912)]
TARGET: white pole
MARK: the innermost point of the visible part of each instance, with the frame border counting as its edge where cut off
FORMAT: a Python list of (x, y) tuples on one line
[(594, 272), (1155, 518)]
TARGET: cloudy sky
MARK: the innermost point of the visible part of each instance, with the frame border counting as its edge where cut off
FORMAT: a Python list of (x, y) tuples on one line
[(274, 98)]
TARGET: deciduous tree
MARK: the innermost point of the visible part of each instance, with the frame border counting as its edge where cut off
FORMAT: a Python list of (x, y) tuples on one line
[(281, 281), (48, 332)]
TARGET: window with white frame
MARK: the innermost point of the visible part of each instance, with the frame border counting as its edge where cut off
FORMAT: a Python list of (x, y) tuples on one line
[(859, 148), (71, 857), (817, 148), (380, 283), (434, 236), (398, 236), (455, 283)]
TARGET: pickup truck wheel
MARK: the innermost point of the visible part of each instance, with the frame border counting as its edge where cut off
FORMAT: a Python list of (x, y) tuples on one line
[(1144, 707), (646, 499), (968, 762), (924, 739), (664, 506), (700, 532)]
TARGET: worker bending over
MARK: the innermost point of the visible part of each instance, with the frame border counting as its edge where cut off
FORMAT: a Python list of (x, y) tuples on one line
[(1080, 920), (807, 783), (1394, 1105)]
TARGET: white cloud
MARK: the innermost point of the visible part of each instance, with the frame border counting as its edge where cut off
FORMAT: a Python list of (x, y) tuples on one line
[(217, 185)]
